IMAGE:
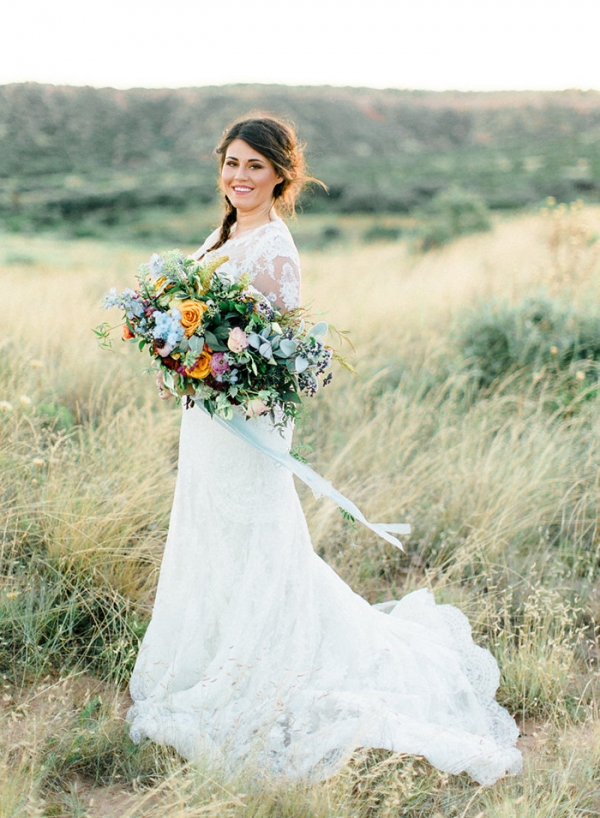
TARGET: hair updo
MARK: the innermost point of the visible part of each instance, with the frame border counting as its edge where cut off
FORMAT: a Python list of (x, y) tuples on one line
[(277, 142)]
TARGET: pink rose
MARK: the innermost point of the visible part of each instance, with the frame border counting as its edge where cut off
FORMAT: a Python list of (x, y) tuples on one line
[(238, 340), (218, 364), (164, 350), (256, 407)]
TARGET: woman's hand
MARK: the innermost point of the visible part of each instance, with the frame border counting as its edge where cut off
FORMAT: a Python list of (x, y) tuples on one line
[(163, 393)]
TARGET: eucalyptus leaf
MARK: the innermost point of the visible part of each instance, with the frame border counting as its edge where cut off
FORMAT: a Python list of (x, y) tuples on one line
[(319, 330), (301, 364), (196, 344), (168, 379), (287, 347)]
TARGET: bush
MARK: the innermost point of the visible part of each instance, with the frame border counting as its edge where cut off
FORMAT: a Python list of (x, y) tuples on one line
[(382, 232), (451, 213), (63, 615), (539, 337)]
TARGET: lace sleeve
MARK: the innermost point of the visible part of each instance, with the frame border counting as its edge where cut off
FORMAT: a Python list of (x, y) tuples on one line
[(276, 266), (279, 280)]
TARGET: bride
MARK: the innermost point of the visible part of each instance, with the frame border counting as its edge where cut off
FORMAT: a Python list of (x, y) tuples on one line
[(257, 651)]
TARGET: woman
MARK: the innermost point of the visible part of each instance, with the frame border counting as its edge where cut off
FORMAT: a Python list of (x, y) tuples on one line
[(257, 651)]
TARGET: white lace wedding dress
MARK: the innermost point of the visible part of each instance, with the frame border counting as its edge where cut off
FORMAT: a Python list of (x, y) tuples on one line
[(257, 651)]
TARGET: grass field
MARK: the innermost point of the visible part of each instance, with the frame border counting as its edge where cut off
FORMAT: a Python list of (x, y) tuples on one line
[(475, 417)]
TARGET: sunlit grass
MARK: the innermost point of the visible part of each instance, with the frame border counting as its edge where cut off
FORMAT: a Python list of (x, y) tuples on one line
[(501, 487)]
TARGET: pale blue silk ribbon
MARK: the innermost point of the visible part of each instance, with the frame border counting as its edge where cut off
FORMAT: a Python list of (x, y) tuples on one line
[(251, 434)]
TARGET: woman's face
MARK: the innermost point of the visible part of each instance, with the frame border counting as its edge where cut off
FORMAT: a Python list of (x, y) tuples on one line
[(248, 178)]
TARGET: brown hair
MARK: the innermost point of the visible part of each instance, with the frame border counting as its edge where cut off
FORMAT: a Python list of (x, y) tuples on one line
[(277, 142)]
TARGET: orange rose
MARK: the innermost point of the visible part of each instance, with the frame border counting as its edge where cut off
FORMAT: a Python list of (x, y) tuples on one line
[(127, 333), (191, 314), (201, 368)]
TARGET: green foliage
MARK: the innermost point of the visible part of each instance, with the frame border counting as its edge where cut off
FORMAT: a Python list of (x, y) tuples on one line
[(98, 749), (539, 337), (99, 161), (453, 212), (57, 611), (56, 416), (382, 232), (19, 259)]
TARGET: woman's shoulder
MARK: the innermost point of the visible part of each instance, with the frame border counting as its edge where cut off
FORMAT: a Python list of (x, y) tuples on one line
[(272, 239), (279, 240)]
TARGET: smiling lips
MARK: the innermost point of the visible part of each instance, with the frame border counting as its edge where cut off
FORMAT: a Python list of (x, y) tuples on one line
[(241, 189)]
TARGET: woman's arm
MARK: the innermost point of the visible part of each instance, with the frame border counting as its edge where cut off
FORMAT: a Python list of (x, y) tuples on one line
[(280, 281)]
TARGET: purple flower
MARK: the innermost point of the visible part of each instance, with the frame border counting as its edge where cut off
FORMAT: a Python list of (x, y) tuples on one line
[(218, 364)]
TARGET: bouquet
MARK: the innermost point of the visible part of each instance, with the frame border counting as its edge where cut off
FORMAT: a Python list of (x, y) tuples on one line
[(219, 341)]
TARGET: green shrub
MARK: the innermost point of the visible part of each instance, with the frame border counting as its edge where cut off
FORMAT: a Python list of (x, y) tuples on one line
[(451, 213), (66, 616), (19, 259), (539, 336), (382, 232)]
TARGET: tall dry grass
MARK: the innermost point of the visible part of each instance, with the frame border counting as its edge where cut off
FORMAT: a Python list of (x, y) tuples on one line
[(500, 484)]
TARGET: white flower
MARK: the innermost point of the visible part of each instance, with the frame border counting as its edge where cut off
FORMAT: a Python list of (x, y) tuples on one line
[(5, 406), (25, 400)]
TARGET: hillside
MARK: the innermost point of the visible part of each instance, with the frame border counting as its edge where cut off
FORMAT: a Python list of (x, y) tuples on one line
[(66, 152)]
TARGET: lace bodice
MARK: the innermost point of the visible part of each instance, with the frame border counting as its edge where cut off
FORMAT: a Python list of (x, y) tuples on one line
[(268, 254)]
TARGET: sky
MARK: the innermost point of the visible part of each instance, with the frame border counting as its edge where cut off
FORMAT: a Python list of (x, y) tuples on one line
[(425, 44)]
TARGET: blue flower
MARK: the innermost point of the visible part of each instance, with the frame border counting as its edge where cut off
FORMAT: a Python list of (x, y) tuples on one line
[(167, 326), (111, 299), (128, 300), (156, 264)]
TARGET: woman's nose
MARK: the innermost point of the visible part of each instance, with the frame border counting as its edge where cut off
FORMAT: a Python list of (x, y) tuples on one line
[(240, 172)]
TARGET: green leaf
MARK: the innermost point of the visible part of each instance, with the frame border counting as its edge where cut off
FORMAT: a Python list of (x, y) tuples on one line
[(286, 347), (213, 342), (102, 333), (347, 516), (222, 331), (196, 344), (168, 379), (319, 330)]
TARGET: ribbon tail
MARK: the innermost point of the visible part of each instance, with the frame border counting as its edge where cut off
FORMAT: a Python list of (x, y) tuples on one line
[(319, 486)]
